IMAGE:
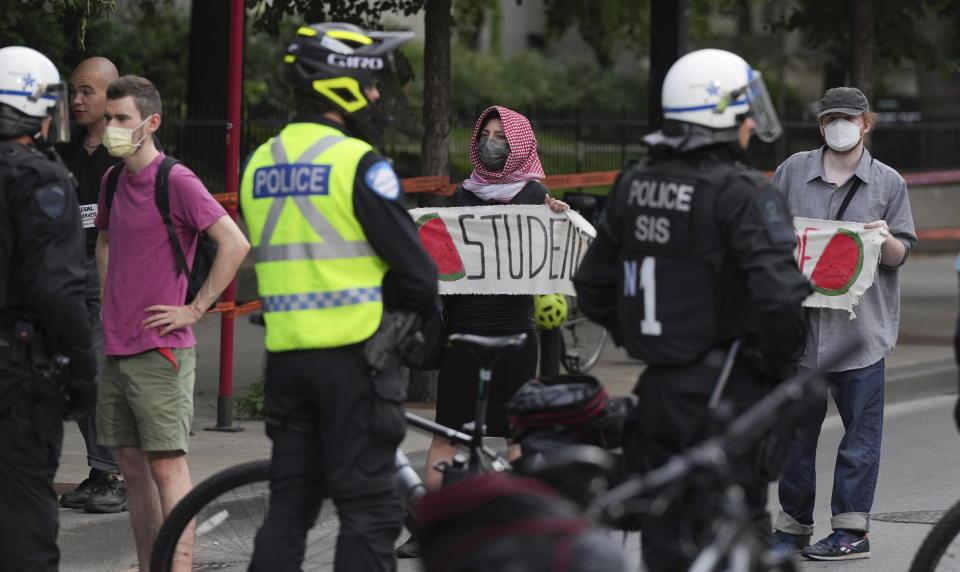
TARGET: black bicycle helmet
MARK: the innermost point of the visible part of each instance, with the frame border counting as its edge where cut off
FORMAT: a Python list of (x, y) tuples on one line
[(336, 61)]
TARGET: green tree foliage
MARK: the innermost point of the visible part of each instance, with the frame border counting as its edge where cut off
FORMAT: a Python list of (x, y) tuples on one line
[(529, 80), (146, 39), (38, 30), (470, 17), (68, 17), (901, 30), (608, 26), (142, 37), (268, 16), (266, 91)]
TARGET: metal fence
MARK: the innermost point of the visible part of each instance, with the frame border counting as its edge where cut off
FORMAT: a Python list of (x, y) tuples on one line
[(571, 143)]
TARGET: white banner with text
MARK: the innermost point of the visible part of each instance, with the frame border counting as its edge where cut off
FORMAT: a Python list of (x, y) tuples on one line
[(504, 249)]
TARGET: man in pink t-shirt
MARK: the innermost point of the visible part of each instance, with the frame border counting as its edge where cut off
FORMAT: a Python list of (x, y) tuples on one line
[(145, 399)]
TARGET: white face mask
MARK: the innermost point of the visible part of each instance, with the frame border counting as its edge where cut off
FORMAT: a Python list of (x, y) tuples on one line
[(842, 134), (119, 140)]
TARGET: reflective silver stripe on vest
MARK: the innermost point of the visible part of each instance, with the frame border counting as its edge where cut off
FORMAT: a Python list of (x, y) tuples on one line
[(311, 251), (318, 300), (333, 245)]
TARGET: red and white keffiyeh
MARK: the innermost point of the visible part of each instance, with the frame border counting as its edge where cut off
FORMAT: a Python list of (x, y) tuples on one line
[(523, 163)]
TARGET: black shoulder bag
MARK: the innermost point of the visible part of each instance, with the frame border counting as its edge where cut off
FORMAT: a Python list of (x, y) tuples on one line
[(849, 197)]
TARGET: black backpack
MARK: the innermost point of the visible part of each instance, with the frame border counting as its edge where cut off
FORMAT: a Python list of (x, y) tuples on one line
[(206, 246)]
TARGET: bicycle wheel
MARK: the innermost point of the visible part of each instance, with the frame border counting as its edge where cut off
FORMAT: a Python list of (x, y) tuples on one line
[(581, 341), (229, 508), (941, 548)]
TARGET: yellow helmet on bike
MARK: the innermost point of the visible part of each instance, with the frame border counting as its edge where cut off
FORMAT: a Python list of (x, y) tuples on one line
[(549, 310)]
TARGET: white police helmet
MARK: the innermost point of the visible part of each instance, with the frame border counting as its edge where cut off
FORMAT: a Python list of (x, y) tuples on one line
[(30, 90), (718, 89)]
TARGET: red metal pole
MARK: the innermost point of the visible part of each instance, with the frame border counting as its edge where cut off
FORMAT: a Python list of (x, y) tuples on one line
[(234, 88)]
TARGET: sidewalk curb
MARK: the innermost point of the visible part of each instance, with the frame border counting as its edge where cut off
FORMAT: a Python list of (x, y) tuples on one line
[(95, 542)]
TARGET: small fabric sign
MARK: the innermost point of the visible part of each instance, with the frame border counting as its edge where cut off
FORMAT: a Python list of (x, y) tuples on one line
[(840, 258)]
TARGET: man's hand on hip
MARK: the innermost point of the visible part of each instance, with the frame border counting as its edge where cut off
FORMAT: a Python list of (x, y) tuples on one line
[(172, 318)]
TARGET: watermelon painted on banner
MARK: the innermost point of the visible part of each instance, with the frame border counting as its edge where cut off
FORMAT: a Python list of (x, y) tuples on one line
[(437, 241), (839, 265), (840, 258)]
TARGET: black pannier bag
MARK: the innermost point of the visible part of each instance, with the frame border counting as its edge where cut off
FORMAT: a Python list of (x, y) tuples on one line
[(501, 523), (554, 411)]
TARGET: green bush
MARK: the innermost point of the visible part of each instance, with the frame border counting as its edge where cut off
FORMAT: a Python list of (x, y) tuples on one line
[(250, 406)]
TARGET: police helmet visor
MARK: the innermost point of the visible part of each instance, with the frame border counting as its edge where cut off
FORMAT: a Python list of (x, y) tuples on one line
[(764, 115), (59, 131)]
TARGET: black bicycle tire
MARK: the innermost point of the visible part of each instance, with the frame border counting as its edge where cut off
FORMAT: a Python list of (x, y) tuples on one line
[(161, 557), (577, 366), (571, 365), (595, 357), (936, 543)]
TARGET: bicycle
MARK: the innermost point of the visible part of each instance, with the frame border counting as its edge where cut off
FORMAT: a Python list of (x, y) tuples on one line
[(581, 340), (230, 506), (728, 543), (732, 545)]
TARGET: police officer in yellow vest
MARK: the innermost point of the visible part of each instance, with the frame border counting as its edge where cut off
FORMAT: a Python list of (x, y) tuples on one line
[(334, 246)]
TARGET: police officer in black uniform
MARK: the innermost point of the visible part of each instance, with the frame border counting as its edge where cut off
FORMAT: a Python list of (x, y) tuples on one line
[(87, 159), (694, 251), (47, 362)]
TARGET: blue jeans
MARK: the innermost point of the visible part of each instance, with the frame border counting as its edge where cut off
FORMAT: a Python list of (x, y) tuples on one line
[(858, 394)]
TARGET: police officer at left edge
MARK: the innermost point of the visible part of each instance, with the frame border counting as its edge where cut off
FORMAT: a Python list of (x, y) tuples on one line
[(47, 362)]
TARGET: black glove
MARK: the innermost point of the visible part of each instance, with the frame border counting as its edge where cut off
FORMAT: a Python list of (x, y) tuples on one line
[(80, 396)]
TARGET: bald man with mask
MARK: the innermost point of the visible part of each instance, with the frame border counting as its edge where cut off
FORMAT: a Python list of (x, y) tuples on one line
[(85, 156)]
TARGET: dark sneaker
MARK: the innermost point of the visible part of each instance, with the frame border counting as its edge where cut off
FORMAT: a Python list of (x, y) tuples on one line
[(78, 497), (409, 549), (840, 545), (790, 542), (109, 496)]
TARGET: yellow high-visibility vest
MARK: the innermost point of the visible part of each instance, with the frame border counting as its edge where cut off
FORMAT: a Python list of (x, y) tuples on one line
[(317, 276)]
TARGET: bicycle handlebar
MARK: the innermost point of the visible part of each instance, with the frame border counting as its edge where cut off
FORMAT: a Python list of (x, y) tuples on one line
[(712, 455)]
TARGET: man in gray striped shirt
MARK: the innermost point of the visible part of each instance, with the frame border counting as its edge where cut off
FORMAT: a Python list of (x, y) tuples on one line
[(842, 181)]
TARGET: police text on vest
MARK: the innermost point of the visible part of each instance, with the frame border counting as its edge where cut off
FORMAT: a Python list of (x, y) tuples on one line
[(657, 195), (296, 179)]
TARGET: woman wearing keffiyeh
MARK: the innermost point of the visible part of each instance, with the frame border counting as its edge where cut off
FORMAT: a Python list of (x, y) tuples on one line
[(505, 161), (506, 170)]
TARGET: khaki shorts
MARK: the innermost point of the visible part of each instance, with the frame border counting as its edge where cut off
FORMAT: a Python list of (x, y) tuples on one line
[(144, 401)]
